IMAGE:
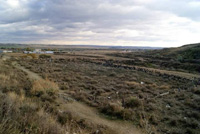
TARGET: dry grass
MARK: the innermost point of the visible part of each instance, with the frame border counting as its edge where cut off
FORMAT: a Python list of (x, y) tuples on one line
[(132, 83), (44, 87), (4, 78), (32, 56), (21, 114)]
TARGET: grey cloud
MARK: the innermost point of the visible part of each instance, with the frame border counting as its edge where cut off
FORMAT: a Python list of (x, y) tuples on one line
[(184, 8), (95, 20)]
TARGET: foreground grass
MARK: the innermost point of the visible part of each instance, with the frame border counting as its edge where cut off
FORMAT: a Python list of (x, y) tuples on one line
[(28, 107)]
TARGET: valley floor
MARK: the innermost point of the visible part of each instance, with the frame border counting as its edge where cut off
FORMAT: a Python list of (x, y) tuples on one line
[(85, 112), (97, 92)]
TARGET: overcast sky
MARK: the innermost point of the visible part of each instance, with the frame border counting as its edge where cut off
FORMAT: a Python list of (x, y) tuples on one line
[(164, 23)]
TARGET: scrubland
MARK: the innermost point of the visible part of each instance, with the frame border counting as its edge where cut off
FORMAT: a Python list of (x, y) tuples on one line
[(29, 107), (156, 102), (86, 91)]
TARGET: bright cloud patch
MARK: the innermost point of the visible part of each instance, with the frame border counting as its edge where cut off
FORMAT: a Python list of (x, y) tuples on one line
[(13, 3)]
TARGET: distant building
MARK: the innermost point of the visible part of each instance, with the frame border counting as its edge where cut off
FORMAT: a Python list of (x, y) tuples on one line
[(7, 51), (49, 52), (39, 51), (27, 52)]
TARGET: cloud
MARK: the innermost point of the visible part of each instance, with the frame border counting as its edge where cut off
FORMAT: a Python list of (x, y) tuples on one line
[(110, 22)]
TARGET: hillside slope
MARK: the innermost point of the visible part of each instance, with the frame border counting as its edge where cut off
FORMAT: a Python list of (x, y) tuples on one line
[(184, 59), (186, 52)]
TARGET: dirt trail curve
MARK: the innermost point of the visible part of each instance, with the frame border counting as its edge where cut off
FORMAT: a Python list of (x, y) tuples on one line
[(90, 114), (85, 112), (31, 75)]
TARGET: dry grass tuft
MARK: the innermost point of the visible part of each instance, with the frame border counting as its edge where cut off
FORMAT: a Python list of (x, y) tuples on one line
[(46, 86), (132, 83), (4, 78)]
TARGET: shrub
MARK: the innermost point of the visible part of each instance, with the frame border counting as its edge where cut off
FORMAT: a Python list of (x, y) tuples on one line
[(196, 90), (192, 131), (44, 56), (32, 55), (46, 97), (132, 103), (127, 114), (64, 117), (113, 109), (41, 87)]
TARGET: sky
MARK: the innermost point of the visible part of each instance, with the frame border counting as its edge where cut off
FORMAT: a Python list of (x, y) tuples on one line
[(157, 23)]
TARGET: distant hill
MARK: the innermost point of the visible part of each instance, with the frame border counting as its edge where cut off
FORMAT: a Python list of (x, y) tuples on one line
[(14, 45), (186, 52), (185, 58), (135, 47)]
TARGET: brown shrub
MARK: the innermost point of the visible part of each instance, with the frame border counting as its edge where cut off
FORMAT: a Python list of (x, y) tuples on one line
[(113, 109), (196, 90), (132, 102), (34, 56), (127, 114), (41, 87)]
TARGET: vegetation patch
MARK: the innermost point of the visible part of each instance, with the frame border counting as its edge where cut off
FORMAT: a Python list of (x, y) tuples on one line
[(41, 87)]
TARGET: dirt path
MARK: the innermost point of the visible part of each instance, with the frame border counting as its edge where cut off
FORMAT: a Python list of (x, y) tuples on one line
[(82, 111), (90, 114), (32, 75)]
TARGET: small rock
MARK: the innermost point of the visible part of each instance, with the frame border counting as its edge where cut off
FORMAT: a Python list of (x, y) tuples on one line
[(168, 106), (97, 132)]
